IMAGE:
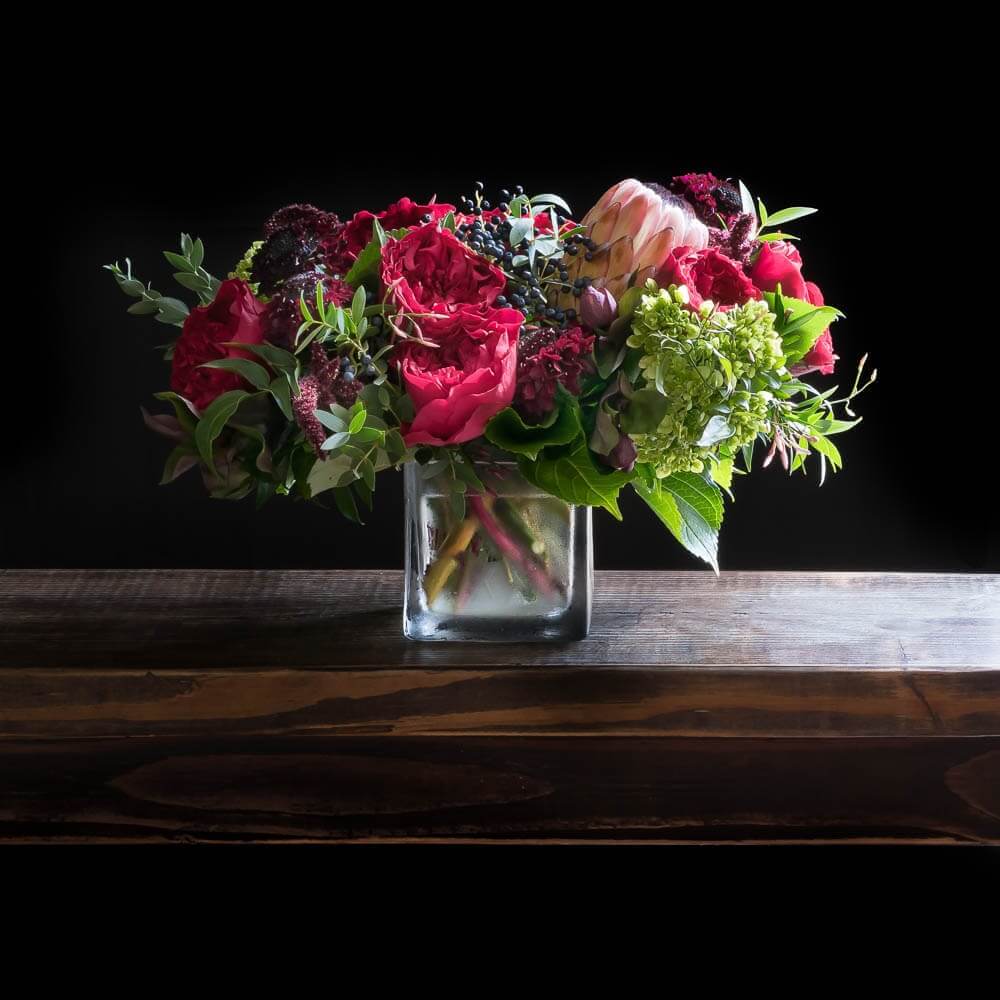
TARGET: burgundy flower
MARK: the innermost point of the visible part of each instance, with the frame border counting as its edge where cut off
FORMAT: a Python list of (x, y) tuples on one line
[(283, 316), (302, 219), (707, 274), (233, 315), (549, 358), (709, 196), (317, 390), (404, 214)]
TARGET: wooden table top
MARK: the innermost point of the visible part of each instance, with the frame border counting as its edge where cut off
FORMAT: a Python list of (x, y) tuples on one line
[(286, 705)]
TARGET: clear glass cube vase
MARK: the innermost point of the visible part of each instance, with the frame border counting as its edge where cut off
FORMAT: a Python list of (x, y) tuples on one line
[(516, 565)]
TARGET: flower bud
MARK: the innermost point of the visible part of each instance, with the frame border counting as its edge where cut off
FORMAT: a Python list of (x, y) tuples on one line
[(598, 307), (622, 456)]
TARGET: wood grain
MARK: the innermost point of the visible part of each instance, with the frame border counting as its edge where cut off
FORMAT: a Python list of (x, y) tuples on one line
[(942, 790), (226, 706), (351, 619)]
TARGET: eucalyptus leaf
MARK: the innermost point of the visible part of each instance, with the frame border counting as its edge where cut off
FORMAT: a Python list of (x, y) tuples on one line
[(551, 199)]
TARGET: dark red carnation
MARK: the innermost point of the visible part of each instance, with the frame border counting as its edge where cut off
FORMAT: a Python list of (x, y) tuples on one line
[(709, 196), (404, 214), (234, 315), (549, 358), (283, 315), (707, 274), (302, 219)]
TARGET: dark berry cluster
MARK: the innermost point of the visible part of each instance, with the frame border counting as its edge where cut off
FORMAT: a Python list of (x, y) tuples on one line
[(487, 231)]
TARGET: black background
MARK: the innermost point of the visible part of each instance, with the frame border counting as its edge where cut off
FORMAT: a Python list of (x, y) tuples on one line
[(142, 152)]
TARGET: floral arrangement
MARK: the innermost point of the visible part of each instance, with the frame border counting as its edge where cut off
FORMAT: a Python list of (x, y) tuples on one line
[(659, 344)]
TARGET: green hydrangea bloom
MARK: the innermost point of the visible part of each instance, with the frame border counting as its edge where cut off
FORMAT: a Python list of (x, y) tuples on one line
[(703, 364), (243, 268)]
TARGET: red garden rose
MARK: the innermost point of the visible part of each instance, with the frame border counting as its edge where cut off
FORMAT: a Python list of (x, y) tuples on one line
[(233, 315), (820, 357), (357, 234), (457, 387), (780, 263), (431, 271), (707, 274)]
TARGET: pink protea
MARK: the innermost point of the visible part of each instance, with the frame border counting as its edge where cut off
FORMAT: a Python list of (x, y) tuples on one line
[(631, 231)]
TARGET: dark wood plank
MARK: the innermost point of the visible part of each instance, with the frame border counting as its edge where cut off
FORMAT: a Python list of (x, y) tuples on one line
[(348, 620), (312, 787), (584, 701), (211, 705)]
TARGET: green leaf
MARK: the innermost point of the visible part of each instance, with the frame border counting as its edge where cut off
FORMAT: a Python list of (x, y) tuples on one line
[(193, 282), (605, 435), (828, 427), (276, 357), (197, 254), (144, 307), (551, 199), (716, 430), (331, 421), (379, 233), (521, 229), (357, 421), (646, 409), (213, 420), (571, 475), (367, 435), (187, 413), (784, 215), (507, 430), (448, 222), (690, 507), (344, 499), (609, 357), (281, 389), (181, 263), (721, 472), (254, 373), (358, 305), (337, 440), (772, 237), (800, 323), (366, 266), (178, 462), (367, 471), (762, 212), (829, 449)]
